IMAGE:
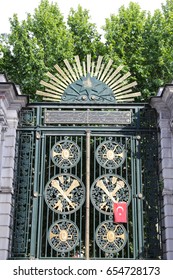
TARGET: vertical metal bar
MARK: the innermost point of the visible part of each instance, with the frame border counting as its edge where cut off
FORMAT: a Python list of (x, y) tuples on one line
[(87, 237), (81, 209), (94, 210), (134, 209), (39, 238), (35, 197), (139, 201)]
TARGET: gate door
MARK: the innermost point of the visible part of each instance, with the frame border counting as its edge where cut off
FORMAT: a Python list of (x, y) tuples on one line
[(84, 175), (86, 171)]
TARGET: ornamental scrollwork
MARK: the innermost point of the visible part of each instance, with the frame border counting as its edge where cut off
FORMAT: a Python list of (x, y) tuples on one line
[(111, 238), (110, 154), (65, 154), (64, 193), (63, 235), (108, 189)]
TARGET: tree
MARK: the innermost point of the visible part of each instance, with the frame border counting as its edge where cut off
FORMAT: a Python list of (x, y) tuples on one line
[(124, 38), (144, 43), (35, 45), (86, 38), (140, 41), (167, 39), (153, 40)]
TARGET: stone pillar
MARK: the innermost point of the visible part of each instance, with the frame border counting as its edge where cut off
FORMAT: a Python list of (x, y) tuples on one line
[(163, 103), (10, 104)]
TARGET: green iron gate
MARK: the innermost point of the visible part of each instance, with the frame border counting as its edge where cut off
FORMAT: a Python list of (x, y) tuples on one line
[(72, 163)]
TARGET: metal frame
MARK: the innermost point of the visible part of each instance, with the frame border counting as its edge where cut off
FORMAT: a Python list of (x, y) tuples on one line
[(139, 138)]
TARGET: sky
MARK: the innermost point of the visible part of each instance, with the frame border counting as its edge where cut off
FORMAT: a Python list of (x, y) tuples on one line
[(98, 10)]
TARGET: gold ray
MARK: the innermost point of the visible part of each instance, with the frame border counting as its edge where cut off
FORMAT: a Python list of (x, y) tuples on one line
[(42, 93), (48, 74), (57, 85), (125, 87), (126, 91), (114, 74), (78, 65), (84, 68), (61, 79), (134, 94), (108, 75), (98, 65), (70, 69), (61, 72), (92, 69), (106, 69), (124, 77), (100, 71), (114, 80), (51, 99), (124, 100), (56, 80), (88, 63), (68, 75), (50, 86), (54, 92), (75, 69), (73, 72)]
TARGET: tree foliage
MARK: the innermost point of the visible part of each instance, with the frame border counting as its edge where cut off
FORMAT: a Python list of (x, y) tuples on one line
[(86, 38), (35, 45), (143, 42), (139, 40), (123, 33)]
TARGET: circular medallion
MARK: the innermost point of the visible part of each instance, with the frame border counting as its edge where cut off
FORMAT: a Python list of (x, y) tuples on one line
[(64, 193), (65, 154), (110, 154), (108, 189), (110, 237), (63, 236)]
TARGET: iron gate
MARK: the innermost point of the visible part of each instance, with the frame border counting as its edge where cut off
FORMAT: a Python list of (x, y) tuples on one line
[(69, 172)]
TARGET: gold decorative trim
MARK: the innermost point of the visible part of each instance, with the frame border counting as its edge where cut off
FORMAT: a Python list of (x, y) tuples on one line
[(118, 83)]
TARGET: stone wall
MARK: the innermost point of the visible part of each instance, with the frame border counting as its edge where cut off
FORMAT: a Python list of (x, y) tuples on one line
[(10, 104), (163, 103)]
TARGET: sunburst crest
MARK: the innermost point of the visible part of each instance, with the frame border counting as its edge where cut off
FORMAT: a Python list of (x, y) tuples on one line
[(85, 72)]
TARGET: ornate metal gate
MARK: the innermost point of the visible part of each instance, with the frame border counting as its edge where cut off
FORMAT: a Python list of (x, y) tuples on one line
[(73, 163)]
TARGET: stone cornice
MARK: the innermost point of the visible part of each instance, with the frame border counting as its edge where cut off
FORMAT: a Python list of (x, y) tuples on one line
[(9, 97), (164, 100)]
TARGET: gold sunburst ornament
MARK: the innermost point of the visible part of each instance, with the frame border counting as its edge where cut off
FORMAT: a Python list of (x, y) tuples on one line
[(88, 82)]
